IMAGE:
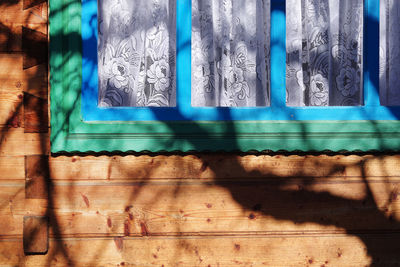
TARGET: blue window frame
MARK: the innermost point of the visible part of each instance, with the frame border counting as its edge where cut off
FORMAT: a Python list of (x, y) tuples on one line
[(278, 111)]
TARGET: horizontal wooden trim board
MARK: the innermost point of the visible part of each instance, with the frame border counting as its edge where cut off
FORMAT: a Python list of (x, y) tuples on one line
[(220, 166), (207, 251), (223, 166), (186, 208)]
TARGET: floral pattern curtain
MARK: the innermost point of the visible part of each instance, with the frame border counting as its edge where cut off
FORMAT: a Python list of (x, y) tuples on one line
[(230, 53), (390, 52), (324, 52), (136, 53)]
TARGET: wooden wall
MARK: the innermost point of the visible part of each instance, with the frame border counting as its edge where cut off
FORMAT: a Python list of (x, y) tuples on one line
[(191, 210)]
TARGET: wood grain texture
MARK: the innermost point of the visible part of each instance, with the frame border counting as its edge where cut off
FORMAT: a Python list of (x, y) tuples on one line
[(191, 209), (166, 208), (32, 3), (12, 12), (12, 208), (34, 81), (296, 208), (10, 37), (12, 168), (208, 251), (36, 177), (36, 235), (11, 107), (221, 166), (208, 167), (15, 142), (34, 46), (36, 118)]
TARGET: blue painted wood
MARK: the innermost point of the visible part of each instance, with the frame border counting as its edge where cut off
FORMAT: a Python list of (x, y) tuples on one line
[(371, 54), (277, 111)]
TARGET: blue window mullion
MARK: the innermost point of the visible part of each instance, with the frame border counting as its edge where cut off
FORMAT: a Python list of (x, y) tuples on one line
[(278, 54), (371, 54)]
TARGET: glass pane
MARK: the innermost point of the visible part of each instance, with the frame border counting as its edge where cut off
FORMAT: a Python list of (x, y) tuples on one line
[(136, 53), (390, 53), (230, 53), (324, 52)]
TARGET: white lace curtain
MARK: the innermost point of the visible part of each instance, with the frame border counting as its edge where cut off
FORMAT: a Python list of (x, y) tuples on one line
[(230, 53), (136, 53), (390, 52), (324, 52)]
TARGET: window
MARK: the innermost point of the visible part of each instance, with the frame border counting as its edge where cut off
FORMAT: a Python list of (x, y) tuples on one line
[(390, 53), (230, 53), (79, 124), (325, 53), (136, 53)]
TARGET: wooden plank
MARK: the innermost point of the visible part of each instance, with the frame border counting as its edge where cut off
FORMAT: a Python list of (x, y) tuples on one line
[(12, 197), (37, 7), (10, 37), (36, 118), (32, 3), (36, 144), (12, 207), (36, 235), (38, 27), (14, 13), (344, 203), (14, 142), (11, 252), (178, 208), (37, 177), (11, 67), (13, 81), (11, 109), (163, 167), (221, 166), (35, 47), (212, 251), (11, 226), (82, 210), (12, 168), (34, 81), (234, 207)]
